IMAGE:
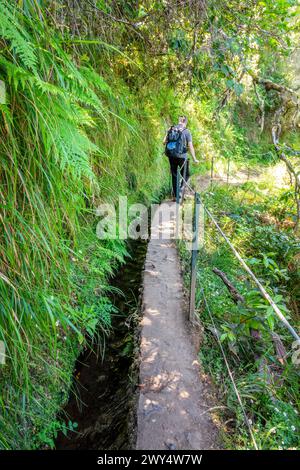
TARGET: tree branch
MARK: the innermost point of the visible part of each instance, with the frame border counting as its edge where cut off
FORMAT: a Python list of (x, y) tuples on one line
[(235, 295), (289, 100)]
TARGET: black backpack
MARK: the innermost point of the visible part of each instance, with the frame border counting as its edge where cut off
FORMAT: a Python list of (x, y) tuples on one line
[(175, 142)]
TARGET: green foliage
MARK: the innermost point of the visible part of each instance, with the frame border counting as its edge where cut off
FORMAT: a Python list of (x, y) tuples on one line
[(269, 387), (68, 141), (49, 433), (89, 93), (20, 40)]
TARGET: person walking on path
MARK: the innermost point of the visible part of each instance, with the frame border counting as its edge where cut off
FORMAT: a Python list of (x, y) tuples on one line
[(178, 142)]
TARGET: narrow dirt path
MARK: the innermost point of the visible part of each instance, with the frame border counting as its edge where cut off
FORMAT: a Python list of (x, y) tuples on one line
[(202, 182), (172, 409)]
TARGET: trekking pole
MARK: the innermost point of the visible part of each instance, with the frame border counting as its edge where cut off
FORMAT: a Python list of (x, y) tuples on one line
[(178, 186), (177, 201), (184, 180), (195, 249)]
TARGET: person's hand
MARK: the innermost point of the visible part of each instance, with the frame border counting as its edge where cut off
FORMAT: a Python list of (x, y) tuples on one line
[(195, 160)]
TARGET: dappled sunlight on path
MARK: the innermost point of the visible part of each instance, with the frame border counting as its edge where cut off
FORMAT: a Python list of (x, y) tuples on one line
[(172, 405)]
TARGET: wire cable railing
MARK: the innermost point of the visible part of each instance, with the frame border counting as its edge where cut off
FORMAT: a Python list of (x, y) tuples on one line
[(236, 391), (193, 277), (261, 288)]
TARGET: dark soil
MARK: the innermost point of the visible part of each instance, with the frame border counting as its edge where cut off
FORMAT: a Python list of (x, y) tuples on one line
[(104, 407)]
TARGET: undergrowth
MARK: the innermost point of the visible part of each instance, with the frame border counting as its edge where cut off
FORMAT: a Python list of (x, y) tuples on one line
[(257, 345)]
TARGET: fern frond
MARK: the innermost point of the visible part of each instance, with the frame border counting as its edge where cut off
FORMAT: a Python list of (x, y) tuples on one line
[(18, 37), (93, 77)]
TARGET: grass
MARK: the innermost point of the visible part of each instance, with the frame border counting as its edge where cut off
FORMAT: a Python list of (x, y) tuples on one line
[(69, 141)]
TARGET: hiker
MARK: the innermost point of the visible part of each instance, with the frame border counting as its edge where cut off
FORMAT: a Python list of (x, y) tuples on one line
[(178, 141)]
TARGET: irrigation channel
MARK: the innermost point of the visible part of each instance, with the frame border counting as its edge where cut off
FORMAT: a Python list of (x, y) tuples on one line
[(104, 405)]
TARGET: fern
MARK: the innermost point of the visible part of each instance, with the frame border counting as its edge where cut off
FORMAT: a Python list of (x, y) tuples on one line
[(16, 75), (93, 77), (72, 148), (20, 41), (55, 112)]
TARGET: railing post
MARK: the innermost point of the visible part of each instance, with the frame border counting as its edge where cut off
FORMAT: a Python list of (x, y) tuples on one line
[(195, 249), (212, 169), (228, 169)]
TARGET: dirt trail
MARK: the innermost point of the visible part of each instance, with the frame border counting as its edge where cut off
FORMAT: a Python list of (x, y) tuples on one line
[(276, 173), (202, 182), (172, 410)]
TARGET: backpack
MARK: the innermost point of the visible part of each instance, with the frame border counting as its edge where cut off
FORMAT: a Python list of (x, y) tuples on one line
[(175, 142)]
